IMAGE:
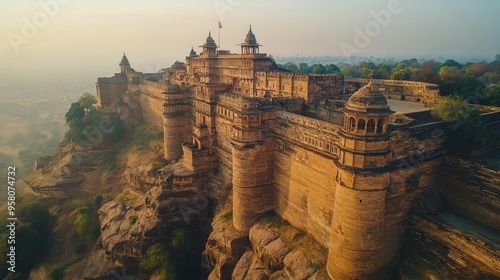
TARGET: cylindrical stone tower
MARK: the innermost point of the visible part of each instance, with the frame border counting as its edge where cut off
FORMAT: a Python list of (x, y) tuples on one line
[(253, 162), (176, 122), (358, 238)]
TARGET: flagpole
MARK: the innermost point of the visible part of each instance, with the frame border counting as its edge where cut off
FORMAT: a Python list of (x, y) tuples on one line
[(219, 36)]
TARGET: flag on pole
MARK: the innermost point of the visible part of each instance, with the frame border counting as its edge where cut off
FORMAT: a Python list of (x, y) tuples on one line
[(220, 24)]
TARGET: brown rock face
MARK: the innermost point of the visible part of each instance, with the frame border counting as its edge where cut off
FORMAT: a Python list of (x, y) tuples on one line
[(128, 230), (277, 251)]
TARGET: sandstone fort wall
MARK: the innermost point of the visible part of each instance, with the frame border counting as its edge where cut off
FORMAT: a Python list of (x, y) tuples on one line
[(472, 190)]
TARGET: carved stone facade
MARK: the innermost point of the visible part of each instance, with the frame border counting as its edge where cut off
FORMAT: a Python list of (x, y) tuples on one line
[(348, 180)]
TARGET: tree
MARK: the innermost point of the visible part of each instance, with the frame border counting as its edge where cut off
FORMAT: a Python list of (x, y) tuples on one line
[(304, 68), (477, 69), (87, 101), (402, 72), (427, 73), (290, 66), (38, 215), (351, 71), (332, 69), (75, 112), (158, 258), (383, 71), (492, 93), (497, 57), (452, 63), (451, 79), (318, 69), (465, 128)]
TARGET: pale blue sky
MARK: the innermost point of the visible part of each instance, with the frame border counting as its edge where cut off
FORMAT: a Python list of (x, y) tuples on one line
[(93, 34)]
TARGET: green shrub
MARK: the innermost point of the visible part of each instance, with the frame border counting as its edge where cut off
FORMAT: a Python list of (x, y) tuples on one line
[(182, 239), (56, 272), (132, 219), (86, 223)]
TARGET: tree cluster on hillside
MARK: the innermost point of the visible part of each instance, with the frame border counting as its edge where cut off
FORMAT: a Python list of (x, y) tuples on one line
[(478, 82), (33, 228), (173, 260), (89, 126)]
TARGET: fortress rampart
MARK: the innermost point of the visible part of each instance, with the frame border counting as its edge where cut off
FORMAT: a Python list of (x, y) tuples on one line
[(348, 180)]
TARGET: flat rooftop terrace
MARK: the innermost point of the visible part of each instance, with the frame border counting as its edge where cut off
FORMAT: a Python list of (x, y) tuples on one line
[(405, 107)]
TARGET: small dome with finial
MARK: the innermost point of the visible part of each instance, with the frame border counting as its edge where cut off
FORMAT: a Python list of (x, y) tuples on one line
[(124, 60), (250, 38), (192, 52), (210, 41), (368, 99)]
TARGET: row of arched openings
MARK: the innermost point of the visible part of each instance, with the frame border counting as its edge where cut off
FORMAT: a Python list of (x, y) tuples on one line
[(365, 125)]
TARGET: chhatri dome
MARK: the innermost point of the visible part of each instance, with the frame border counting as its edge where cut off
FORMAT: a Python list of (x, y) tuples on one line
[(368, 99), (250, 46), (210, 41), (250, 38)]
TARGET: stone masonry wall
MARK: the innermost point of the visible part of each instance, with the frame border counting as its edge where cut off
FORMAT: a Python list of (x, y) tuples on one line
[(471, 190), (151, 100)]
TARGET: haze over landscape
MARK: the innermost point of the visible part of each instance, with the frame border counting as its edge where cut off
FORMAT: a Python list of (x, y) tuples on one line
[(89, 37), (361, 140)]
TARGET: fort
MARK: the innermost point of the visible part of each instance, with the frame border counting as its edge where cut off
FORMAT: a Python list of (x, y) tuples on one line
[(341, 159)]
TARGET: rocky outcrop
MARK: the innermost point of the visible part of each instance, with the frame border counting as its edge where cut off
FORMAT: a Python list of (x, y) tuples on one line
[(176, 200), (273, 250), (56, 178)]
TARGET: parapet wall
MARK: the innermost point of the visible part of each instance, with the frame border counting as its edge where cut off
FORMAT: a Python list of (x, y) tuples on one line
[(151, 99), (309, 87), (400, 90)]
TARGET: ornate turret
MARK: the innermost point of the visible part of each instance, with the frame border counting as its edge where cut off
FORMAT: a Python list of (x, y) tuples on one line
[(124, 64), (250, 46), (210, 46), (358, 243), (366, 112)]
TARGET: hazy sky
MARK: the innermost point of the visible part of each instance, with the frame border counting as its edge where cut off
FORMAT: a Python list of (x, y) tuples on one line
[(93, 34)]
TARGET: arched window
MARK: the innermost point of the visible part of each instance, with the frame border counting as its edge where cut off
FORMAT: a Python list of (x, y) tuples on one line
[(380, 126), (370, 126), (361, 125), (352, 124)]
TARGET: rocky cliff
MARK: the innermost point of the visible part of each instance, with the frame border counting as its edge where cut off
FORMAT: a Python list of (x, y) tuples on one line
[(272, 250)]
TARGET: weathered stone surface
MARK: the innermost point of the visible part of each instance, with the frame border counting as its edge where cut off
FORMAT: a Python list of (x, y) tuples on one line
[(98, 265), (62, 174), (128, 230), (224, 247), (320, 275), (279, 275), (472, 189), (298, 266), (269, 247), (250, 267), (445, 245)]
